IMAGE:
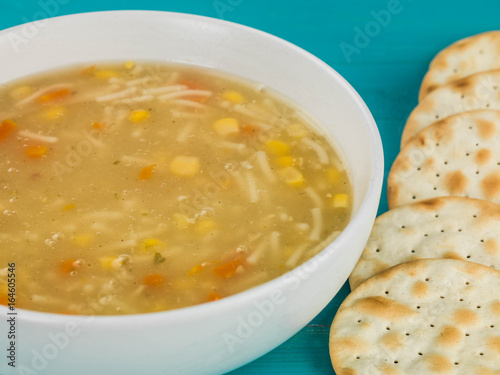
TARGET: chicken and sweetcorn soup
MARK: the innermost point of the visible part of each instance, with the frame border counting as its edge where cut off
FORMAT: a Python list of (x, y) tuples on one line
[(133, 188)]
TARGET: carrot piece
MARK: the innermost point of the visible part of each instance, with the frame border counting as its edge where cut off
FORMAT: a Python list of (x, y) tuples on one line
[(6, 127), (97, 126), (213, 296), (88, 71), (67, 266), (147, 172), (54, 96), (196, 269), (228, 269), (249, 130), (154, 280), (67, 312), (193, 84), (35, 152)]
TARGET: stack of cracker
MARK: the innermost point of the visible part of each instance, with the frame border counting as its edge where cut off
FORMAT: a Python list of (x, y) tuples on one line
[(426, 290)]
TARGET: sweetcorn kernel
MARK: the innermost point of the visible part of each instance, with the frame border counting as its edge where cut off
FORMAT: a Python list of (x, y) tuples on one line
[(205, 226), (106, 262), (151, 243), (333, 175), (226, 126), (233, 96), (291, 176), (186, 166), (277, 147), (129, 65), (340, 201), (106, 74), (68, 207), (54, 113), (286, 161), (181, 221), (21, 92), (83, 240), (139, 115)]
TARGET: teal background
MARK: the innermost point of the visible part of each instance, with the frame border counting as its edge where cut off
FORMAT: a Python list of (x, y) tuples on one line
[(386, 68)]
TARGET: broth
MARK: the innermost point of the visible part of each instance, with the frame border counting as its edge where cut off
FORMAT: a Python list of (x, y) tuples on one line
[(133, 188)]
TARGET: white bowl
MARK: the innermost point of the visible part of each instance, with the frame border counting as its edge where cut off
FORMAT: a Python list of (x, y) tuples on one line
[(220, 336)]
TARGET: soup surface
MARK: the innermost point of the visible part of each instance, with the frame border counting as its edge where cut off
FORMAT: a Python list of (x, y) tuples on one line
[(133, 188)]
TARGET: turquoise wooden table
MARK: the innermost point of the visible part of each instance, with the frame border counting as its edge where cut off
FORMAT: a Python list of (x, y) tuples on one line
[(382, 47)]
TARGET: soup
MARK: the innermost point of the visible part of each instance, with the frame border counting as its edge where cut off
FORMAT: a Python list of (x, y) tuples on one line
[(133, 188)]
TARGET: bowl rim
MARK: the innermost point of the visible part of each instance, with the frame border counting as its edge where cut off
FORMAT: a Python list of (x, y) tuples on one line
[(262, 290)]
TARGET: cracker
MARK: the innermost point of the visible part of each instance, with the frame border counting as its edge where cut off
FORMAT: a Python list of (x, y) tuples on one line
[(456, 156), (445, 227), (468, 56), (432, 316), (478, 91)]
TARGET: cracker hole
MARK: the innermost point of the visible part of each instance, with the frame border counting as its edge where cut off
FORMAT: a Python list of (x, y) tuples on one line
[(418, 307), (377, 251), (427, 279), (467, 334), (413, 251), (482, 240), (461, 299), (386, 292), (420, 353), (407, 334), (478, 306), (460, 230), (481, 353), (388, 328), (359, 321), (470, 127), (455, 70), (436, 215), (463, 96), (467, 154), (432, 325), (396, 362), (442, 230), (468, 256), (474, 216), (435, 188), (437, 174), (477, 172), (403, 227), (487, 105), (492, 326), (358, 357), (456, 363), (426, 235), (414, 197), (467, 283), (437, 116), (442, 297)]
